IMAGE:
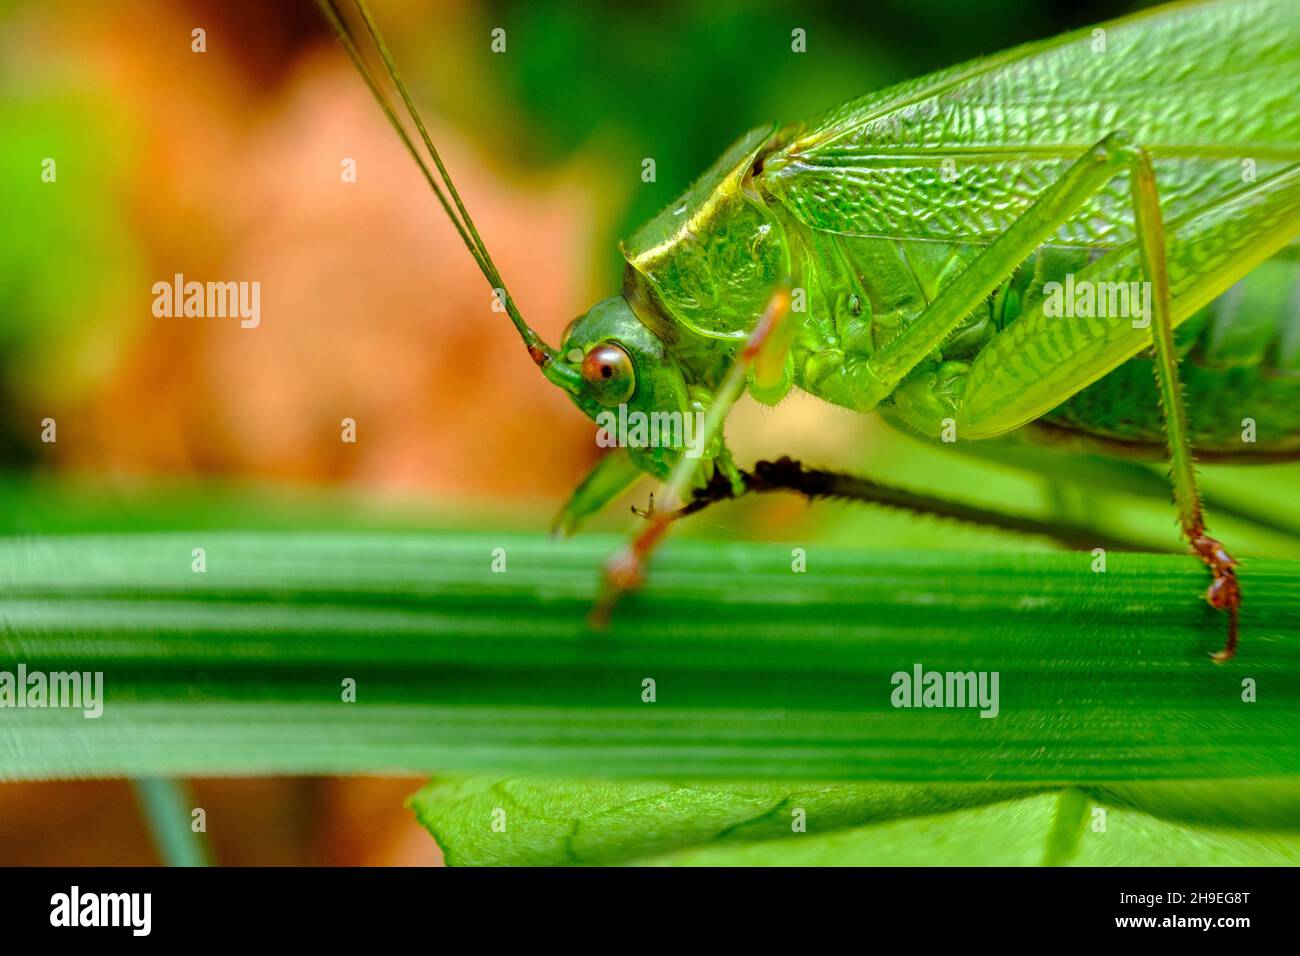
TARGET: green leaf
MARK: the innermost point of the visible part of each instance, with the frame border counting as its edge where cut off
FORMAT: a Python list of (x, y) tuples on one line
[(760, 673), (480, 821)]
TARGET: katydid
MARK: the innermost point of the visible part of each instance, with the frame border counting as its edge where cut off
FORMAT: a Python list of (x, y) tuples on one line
[(1006, 246)]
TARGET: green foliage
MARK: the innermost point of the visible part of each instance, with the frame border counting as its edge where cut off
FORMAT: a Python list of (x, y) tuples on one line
[(761, 673), (483, 821), (66, 264)]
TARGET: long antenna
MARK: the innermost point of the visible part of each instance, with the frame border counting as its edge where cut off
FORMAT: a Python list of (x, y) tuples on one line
[(460, 217)]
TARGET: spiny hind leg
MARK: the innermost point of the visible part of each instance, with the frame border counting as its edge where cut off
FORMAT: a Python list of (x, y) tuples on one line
[(625, 570), (1224, 591), (985, 409), (786, 474)]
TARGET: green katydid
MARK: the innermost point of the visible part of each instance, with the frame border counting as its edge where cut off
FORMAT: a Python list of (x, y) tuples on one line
[(911, 252)]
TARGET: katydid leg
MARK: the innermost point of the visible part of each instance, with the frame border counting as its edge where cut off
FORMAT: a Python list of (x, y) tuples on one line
[(1006, 388), (625, 570), (610, 477), (1224, 591), (981, 413), (1083, 178), (817, 484)]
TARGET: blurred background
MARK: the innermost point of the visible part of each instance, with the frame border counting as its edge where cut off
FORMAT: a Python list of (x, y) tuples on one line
[(226, 165)]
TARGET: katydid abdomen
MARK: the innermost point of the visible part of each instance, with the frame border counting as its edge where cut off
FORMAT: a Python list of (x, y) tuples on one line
[(1241, 379)]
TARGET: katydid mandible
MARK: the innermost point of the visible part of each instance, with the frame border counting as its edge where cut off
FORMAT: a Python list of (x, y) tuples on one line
[(1006, 246)]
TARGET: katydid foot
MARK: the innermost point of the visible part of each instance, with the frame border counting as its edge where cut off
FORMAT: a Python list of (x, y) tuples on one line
[(625, 570), (1224, 592)]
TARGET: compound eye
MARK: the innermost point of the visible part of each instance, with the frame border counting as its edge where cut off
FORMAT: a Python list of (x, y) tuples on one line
[(608, 372)]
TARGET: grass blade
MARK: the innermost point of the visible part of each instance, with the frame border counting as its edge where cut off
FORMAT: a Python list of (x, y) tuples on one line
[(166, 807), (760, 672)]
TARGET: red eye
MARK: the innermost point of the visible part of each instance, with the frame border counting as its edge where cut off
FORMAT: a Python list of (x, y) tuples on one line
[(608, 372)]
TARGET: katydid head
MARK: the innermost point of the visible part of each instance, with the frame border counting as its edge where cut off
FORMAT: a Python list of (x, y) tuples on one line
[(617, 371)]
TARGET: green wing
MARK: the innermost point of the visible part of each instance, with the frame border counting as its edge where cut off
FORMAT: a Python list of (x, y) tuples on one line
[(1210, 89)]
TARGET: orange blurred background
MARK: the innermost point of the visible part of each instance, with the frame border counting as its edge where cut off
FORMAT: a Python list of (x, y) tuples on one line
[(227, 165)]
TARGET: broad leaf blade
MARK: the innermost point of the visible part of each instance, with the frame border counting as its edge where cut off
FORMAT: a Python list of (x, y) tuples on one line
[(482, 821), (760, 673)]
